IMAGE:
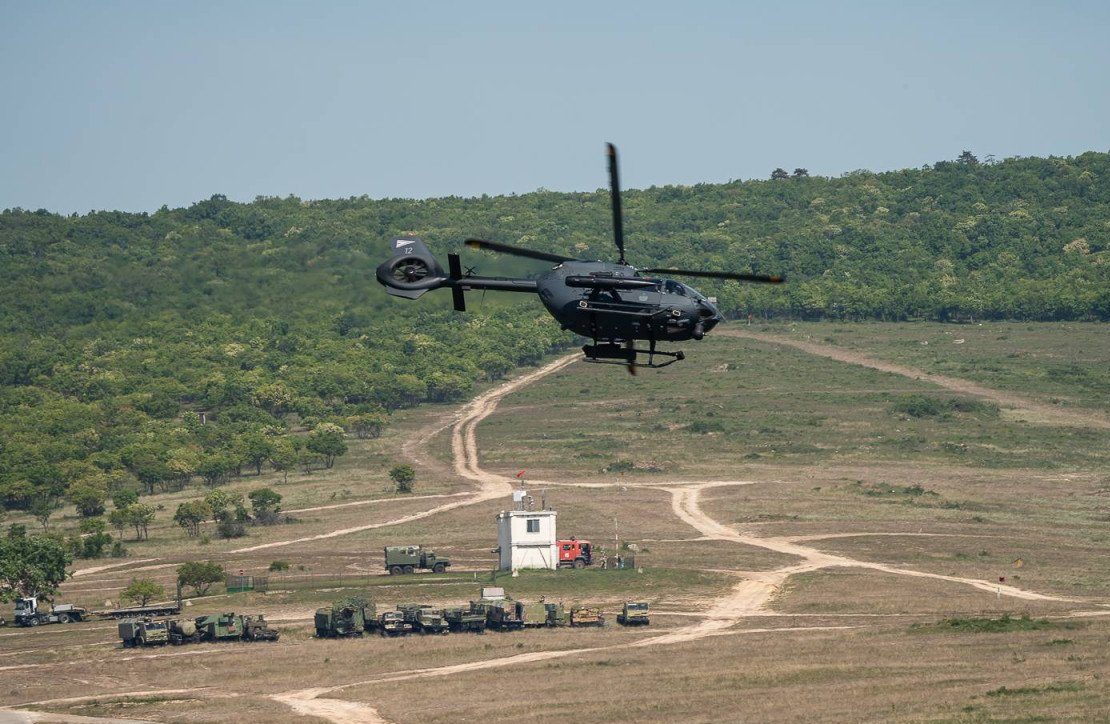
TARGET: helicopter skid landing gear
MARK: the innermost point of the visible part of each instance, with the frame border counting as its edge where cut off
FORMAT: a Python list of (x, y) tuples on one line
[(614, 354)]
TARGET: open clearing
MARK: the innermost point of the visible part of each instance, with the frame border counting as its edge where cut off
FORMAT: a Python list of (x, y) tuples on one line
[(817, 509)]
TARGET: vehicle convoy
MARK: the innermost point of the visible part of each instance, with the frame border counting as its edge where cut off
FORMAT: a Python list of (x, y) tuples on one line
[(634, 613), (406, 559), (581, 615), (574, 553), (424, 618), (28, 612), (392, 623), (346, 618), (615, 305), (234, 627)]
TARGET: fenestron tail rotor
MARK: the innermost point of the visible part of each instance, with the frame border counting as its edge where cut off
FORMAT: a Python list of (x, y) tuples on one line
[(615, 200), (757, 278)]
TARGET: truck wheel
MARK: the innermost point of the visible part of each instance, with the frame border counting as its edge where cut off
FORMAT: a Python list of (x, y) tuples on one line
[(33, 622), (439, 568), (65, 618), (396, 570), (409, 569), (579, 563)]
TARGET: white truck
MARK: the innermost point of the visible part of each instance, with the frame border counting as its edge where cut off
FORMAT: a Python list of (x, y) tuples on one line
[(29, 613)]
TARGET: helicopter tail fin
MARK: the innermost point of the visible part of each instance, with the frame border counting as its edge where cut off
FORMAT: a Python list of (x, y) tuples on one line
[(412, 270)]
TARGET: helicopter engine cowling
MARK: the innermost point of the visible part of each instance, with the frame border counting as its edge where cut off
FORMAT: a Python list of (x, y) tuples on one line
[(411, 271)]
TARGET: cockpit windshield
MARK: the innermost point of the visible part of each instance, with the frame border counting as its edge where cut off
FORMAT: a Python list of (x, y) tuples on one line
[(670, 286)]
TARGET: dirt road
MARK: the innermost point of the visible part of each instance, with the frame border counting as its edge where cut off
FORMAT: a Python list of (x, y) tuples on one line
[(1030, 410)]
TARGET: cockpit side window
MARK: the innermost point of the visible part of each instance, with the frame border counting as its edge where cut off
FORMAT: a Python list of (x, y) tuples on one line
[(673, 287)]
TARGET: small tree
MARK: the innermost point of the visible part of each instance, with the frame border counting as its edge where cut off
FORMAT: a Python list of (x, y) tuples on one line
[(404, 476), (94, 537), (801, 173), (199, 575), (42, 508), (779, 173), (279, 566), (284, 457), (142, 590), (190, 515), (89, 495), (125, 497), (257, 449), (266, 504), (139, 516), (119, 520), (326, 440)]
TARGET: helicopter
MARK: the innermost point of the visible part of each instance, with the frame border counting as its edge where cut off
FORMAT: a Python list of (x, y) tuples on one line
[(613, 304)]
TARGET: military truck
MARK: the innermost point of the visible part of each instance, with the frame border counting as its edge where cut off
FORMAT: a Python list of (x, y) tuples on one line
[(634, 613), (182, 631), (349, 617), (506, 615), (28, 612), (533, 615), (582, 615), (556, 615), (424, 618), (234, 627), (406, 559), (464, 618), (392, 623), (143, 632), (256, 628)]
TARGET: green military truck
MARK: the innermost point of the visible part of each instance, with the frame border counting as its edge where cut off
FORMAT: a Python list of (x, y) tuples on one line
[(392, 623), (423, 618), (143, 632), (634, 613), (533, 615), (182, 631), (406, 559), (234, 627), (556, 615), (464, 618), (349, 617)]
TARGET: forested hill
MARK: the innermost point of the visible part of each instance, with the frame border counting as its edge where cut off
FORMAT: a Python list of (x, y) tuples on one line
[(116, 327)]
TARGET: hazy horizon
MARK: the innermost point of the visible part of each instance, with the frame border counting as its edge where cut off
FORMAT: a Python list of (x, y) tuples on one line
[(132, 106)]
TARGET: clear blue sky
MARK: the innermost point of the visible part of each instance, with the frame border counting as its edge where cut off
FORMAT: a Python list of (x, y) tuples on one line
[(131, 105)]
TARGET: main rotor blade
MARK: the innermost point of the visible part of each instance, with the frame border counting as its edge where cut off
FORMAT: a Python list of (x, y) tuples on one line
[(615, 200), (759, 278), (516, 250)]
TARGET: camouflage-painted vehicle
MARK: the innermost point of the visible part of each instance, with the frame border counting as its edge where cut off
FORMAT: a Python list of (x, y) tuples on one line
[(533, 615), (506, 615), (423, 618), (556, 615), (463, 618), (406, 559), (350, 617), (634, 613), (582, 615), (182, 631), (256, 628), (392, 623), (143, 632), (234, 627)]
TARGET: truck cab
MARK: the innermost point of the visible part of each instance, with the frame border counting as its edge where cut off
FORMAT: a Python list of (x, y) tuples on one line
[(575, 553)]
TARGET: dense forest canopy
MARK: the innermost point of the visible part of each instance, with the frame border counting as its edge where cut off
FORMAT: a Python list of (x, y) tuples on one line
[(151, 350)]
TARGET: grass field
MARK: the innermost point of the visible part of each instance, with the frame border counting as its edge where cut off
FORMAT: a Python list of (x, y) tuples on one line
[(820, 539)]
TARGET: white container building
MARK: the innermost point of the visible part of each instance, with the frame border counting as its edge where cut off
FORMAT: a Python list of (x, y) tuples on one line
[(526, 539)]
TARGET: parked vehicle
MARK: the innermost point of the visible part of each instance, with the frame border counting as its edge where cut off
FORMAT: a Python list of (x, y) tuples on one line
[(28, 612), (256, 628), (406, 559), (182, 631), (556, 615), (533, 615), (463, 618), (424, 618), (634, 613), (392, 623), (350, 617), (171, 608), (143, 632), (581, 615), (234, 627), (574, 553)]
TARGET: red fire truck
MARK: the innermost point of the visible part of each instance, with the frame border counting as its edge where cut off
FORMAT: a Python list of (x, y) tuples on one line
[(574, 553)]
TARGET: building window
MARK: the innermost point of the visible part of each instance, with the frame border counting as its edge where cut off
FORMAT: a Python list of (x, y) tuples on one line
[(533, 525)]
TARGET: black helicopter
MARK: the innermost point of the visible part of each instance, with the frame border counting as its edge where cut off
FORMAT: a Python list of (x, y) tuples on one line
[(612, 304)]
